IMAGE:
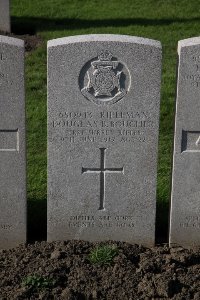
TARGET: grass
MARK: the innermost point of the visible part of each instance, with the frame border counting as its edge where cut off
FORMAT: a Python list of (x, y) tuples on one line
[(103, 255), (35, 282), (164, 20)]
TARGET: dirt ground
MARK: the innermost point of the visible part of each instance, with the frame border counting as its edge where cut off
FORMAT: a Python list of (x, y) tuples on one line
[(135, 273), (31, 42)]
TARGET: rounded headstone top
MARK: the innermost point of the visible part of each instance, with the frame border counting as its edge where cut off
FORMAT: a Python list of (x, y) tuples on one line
[(103, 38), (11, 41), (188, 42)]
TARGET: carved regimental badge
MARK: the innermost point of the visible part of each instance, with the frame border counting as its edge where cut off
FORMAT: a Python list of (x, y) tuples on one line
[(104, 80)]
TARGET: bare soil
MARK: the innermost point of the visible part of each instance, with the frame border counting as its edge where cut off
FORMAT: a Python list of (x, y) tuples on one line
[(135, 273), (31, 41)]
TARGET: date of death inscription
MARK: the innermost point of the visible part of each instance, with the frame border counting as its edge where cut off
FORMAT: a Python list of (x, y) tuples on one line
[(101, 221), (115, 126)]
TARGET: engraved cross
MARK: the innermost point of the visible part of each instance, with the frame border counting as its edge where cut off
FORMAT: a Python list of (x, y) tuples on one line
[(102, 171)]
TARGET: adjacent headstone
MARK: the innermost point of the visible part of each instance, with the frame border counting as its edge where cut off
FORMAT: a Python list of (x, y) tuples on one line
[(5, 15), (185, 202), (12, 143), (103, 118)]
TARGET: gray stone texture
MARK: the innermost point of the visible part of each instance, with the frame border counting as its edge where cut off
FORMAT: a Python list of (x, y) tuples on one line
[(5, 15), (12, 144), (103, 119), (185, 201)]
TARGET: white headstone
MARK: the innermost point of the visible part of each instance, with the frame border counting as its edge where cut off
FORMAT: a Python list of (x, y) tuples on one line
[(185, 202), (5, 15), (12, 144), (103, 119)]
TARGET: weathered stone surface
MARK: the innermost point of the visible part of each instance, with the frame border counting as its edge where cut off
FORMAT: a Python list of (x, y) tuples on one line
[(12, 143), (103, 117), (5, 15), (185, 202)]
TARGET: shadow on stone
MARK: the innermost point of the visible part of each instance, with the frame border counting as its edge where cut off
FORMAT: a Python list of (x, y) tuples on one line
[(37, 220), (162, 212)]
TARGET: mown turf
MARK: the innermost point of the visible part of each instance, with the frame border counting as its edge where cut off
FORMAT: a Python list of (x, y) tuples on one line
[(164, 20)]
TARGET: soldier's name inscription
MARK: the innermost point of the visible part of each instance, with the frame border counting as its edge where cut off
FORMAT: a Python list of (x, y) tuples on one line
[(120, 126)]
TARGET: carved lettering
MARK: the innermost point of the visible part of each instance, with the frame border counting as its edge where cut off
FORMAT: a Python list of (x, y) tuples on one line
[(81, 224), (2, 78), (5, 226), (102, 221), (107, 225), (76, 115), (191, 222), (81, 218), (104, 115), (196, 58), (190, 225), (101, 124), (109, 127), (194, 78), (125, 225)]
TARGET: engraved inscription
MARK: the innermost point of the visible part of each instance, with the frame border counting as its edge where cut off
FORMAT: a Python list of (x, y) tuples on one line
[(104, 80), (103, 126), (2, 78), (196, 60), (191, 222), (190, 141), (193, 78), (121, 136), (103, 114), (102, 172), (3, 56), (2, 75), (101, 221), (5, 226)]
